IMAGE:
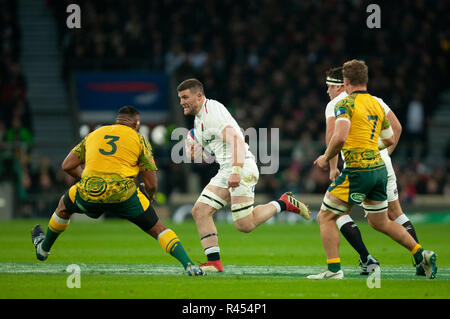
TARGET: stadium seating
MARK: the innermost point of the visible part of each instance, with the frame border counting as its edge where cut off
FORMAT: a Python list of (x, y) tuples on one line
[(266, 62)]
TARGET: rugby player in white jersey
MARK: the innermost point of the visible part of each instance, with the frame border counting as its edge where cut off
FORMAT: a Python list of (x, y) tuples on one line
[(348, 228), (237, 176)]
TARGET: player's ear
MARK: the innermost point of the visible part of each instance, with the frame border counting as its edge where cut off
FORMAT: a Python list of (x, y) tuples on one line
[(137, 123)]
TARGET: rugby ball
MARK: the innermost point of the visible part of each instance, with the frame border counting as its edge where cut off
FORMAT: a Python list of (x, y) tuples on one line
[(194, 148)]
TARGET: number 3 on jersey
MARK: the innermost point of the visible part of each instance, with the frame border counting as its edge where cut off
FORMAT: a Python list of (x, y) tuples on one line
[(112, 139)]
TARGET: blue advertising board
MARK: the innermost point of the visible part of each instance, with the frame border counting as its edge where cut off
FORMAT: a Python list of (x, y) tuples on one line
[(101, 94)]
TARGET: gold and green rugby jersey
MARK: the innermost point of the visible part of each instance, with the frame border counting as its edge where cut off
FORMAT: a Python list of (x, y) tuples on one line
[(113, 156), (367, 118)]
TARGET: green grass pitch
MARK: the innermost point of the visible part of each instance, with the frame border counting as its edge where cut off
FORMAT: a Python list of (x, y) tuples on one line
[(118, 260)]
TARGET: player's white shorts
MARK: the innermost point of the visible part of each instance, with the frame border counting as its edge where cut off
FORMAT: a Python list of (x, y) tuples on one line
[(249, 179), (391, 188)]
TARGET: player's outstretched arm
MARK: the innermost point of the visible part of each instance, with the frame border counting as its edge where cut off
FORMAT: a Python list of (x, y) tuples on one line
[(72, 165)]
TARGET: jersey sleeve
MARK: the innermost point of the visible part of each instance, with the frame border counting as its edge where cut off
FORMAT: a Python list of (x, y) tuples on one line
[(385, 124), (385, 107), (344, 109), (329, 111), (216, 120), (146, 161), (222, 120), (80, 150)]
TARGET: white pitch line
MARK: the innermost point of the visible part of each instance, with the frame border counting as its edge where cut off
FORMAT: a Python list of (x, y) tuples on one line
[(230, 270)]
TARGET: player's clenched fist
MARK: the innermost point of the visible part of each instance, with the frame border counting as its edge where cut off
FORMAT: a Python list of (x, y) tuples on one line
[(321, 162), (234, 180)]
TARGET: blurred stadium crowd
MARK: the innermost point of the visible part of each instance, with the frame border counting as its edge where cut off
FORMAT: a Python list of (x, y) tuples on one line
[(265, 61), (16, 136)]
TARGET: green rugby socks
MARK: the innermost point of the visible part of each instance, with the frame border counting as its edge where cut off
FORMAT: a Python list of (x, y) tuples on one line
[(170, 243), (334, 264), (56, 226), (417, 253)]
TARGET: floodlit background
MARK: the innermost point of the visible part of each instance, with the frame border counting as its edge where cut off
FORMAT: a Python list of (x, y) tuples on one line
[(264, 60)]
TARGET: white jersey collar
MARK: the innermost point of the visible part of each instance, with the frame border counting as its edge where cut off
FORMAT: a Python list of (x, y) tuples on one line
[(204, 108)]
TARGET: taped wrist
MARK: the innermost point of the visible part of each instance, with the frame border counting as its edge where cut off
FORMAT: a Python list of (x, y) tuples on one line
[(236, 170), (386, 133), (381, 145)]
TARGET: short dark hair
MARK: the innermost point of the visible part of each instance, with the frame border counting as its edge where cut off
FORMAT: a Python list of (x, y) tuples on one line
[(356, 71), (191, 84), (334, 76), (128, 110)]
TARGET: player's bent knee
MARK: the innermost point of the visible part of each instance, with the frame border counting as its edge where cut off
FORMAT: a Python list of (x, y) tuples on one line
[(157, 229), (146, 220), (243, 225), (320, 217), (325, 216), (394, 210), (244, 228), (62, 211), (201, 210), (67, 203)]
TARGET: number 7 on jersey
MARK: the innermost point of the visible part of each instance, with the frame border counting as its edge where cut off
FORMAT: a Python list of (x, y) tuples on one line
[(373, 118)]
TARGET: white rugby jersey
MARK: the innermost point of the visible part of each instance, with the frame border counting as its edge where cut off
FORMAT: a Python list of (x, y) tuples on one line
[(209, 123), (329, 112)]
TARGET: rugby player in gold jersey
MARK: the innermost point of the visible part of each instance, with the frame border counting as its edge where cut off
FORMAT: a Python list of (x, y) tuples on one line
[(113, 156), (361, 130)]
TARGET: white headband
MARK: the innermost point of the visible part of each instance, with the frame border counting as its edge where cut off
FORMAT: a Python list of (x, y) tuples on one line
[(332, 81)]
